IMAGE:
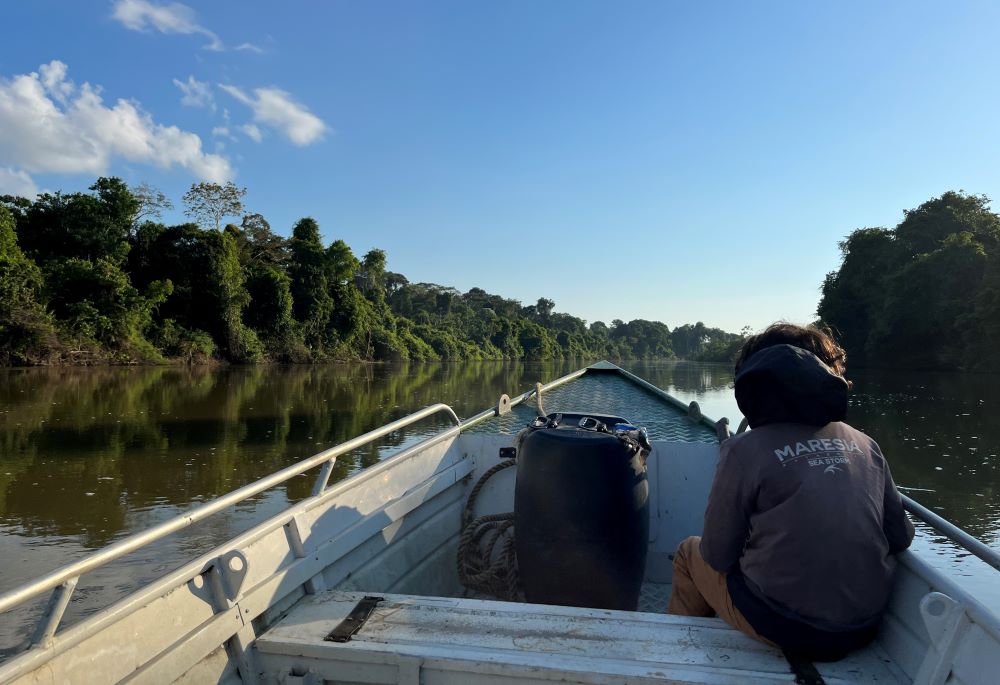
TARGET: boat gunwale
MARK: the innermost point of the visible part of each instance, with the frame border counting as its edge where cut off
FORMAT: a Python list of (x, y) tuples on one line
[(61, 642), (58, 643)]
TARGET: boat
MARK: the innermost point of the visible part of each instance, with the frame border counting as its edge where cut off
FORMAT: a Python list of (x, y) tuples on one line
[(359, 583)]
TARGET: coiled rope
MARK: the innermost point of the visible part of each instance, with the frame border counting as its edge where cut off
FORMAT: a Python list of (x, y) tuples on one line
[(482, 565)]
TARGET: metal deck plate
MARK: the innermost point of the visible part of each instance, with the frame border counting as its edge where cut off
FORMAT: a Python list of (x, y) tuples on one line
[(607, 393)]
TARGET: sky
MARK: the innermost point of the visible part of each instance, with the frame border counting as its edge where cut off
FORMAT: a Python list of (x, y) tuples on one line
[(672, 161)]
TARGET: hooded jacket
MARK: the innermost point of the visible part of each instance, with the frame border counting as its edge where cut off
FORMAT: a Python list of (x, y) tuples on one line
[(803, 515)]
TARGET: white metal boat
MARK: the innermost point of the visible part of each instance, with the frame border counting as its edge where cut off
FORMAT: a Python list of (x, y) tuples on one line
[(258, 608)]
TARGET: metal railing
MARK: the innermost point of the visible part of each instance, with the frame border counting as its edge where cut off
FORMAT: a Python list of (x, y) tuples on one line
[(63, 581), (952, 532)]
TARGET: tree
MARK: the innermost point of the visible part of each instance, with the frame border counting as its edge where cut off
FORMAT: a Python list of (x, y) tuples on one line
[(151, 203), (853, 296), (84, 225), (242, 343), (265, 247), (920, 294), (25, 327), (313, 303), (544, 308), (925, 228), (97, 301), (211, 202), (371, 277)]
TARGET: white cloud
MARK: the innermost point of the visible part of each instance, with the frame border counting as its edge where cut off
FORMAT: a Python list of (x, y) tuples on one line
[(48, 124), (252, 132), (196, 93), (141, 15), (250, 47), (14, 182), (53, 77), (276, 108)]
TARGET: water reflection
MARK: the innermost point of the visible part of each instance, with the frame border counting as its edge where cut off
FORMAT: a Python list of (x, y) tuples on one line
[(83, 447), (88, 456)]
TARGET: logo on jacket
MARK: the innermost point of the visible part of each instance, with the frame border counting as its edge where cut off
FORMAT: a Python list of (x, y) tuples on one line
[(832, 469), (812, 448)]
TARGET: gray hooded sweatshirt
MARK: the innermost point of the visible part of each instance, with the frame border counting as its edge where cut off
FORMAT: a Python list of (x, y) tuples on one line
[(803, 515)]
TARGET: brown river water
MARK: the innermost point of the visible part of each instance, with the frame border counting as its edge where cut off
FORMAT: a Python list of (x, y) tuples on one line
[(91, 455)]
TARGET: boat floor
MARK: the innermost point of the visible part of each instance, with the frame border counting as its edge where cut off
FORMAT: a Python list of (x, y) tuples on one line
[(443, 640)]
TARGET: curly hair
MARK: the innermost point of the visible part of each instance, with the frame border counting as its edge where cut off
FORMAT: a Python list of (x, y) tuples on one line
[(819, 341)]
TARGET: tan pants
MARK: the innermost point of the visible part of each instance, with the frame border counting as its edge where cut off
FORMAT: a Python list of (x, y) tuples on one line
[(700, 590)]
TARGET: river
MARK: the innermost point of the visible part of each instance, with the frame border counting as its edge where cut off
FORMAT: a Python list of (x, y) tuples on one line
[(90, 455)]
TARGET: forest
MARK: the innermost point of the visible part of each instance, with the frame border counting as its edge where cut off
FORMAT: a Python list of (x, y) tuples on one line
[(96, 278), (922, 295)]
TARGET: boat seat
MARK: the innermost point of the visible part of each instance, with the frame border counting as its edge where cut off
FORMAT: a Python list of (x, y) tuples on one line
[(437, 640)]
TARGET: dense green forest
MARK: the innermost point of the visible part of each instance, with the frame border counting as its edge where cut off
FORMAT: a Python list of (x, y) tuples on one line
[(925, 294), (94, 277)]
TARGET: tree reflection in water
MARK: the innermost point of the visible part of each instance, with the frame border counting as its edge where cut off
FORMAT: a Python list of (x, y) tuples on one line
[(89, 455)]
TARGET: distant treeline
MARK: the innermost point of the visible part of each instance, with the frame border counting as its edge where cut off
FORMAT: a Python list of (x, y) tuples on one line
[(925, 294), (94, 278)]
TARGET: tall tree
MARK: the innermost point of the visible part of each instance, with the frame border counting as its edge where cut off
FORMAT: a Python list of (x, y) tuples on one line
[(25, 327), (310, 289), (85, 225), (371, 276), (150, 203), (914, 295), (264, 245), (212, 202)]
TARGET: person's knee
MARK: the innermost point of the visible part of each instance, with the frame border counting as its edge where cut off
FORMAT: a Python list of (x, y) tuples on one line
[(688, 548)]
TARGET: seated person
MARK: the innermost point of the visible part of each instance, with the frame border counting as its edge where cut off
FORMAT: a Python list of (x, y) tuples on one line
[(803, 516)]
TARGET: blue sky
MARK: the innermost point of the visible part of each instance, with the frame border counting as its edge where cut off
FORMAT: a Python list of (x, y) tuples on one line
[(663, 160)]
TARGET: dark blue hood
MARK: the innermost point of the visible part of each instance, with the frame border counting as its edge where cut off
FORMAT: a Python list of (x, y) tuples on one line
[(786, 384)]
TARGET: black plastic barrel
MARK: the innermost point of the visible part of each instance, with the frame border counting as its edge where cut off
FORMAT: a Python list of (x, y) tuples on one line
[(581, 517)]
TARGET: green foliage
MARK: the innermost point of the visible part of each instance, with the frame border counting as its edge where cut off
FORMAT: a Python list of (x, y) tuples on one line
[(371, 276), (181, 343), (122, 287), (26, 329), (209, 203), (95, 300), (647, 339), (242, 343), (923, 294), (87, 226), (313, 302), (701, 343), (263, 247)]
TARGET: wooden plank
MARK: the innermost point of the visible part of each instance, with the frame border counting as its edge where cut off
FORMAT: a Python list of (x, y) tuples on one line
[(564, 640), (446, 665)]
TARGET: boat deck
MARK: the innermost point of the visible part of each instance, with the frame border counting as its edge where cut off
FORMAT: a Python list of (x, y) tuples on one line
[(609, 393), (437, 641)]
